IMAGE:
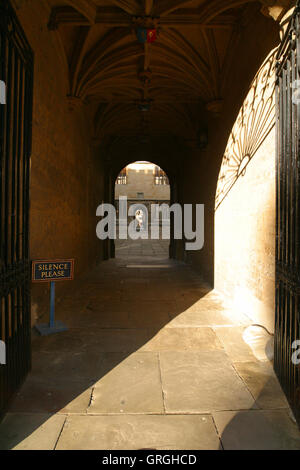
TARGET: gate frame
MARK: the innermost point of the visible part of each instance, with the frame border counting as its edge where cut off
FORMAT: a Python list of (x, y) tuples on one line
[(287, 310), (17, 71)]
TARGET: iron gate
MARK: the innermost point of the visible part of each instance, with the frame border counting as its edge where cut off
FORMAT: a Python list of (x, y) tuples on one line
[(287, 319), (16, 71)]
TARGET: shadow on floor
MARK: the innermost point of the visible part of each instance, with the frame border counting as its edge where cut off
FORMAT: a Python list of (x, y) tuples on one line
[(256, 428), (269, 424), (164, 312)]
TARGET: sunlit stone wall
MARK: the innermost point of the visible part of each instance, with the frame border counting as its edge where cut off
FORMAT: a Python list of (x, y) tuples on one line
[(245, 214)]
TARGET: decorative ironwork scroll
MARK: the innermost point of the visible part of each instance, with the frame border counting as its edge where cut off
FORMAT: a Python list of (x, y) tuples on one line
[(255, 121)]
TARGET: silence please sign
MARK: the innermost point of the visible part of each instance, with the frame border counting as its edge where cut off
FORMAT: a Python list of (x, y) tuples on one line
[(49, 271)]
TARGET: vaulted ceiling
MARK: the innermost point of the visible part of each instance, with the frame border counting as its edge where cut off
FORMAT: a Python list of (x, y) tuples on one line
[(176, 77)]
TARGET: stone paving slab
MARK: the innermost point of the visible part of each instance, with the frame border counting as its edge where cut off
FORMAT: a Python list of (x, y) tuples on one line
[(261, 380), (148, 292), (235, 346), (76, 366), (206, 318), (200, 382), (184, 339), (52, 397), (196, 303), (30, 431), (139, 432), (95, 318), (96, 339), (257, 430), (132, 386), (149, 314)]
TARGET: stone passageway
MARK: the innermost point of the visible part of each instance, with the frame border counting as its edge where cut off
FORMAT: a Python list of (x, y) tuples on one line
[(152, 360)]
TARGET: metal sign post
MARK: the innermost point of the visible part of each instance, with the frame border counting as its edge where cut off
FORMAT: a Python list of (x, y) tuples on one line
[(53, 271), (52, 304)]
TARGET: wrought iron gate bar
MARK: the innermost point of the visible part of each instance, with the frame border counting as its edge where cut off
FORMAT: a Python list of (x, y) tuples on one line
[(16, 70), (287, 319)]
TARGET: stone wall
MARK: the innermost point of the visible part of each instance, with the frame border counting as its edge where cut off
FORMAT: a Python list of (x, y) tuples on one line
[(245, 239), (201, 168), (66, 177), (245, 206), (142, 181)]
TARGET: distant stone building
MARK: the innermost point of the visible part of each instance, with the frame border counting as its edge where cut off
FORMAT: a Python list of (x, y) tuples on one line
[(143, 183)]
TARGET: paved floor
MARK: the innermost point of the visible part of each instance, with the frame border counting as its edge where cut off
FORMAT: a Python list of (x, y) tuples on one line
[(152, 359)]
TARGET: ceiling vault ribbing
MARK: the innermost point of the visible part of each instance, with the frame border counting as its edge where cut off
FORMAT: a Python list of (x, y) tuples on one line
[(152, 87)]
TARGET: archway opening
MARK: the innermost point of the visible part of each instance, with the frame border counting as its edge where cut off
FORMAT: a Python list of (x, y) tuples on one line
[(142, 200)]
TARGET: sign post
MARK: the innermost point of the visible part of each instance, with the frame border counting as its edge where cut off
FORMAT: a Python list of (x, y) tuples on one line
[(52, 304), (52, 271)]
